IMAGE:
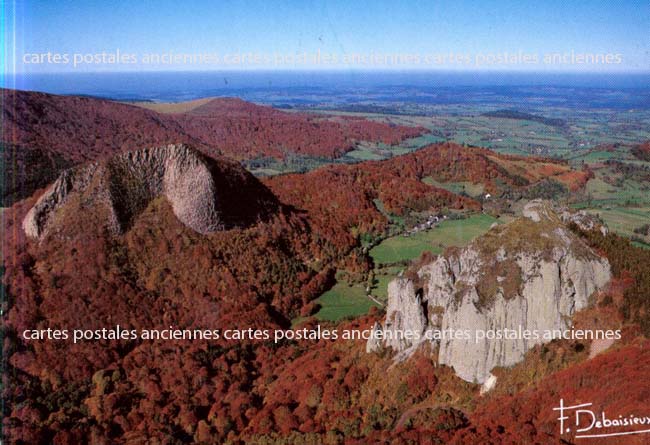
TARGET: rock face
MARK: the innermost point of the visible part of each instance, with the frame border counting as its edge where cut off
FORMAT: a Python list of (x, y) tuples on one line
[(205, 194), (404, 312), (584, 221), (531, 274)]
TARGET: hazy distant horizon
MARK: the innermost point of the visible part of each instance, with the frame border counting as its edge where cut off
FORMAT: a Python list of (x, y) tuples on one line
[(176, 86)]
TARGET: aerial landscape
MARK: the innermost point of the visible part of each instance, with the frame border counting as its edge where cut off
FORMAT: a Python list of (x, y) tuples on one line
[(311, 255)]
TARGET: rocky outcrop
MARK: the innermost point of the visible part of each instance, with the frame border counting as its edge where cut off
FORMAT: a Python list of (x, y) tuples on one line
[(205, 194), (530, 275), (405, 313), (584, 221)]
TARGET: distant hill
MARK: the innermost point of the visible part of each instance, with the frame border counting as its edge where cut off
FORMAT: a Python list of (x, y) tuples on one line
[(340, 198), (73, 129), (519, 115), (244, 130), (642, 151)]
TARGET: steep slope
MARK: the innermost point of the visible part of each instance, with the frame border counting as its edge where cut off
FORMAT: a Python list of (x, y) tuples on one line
[(155, 273), (615, 384), (530, 275), (80, 129), (24, 170)]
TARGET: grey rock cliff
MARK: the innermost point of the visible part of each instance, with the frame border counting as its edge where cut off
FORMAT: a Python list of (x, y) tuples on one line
[(204, 193), (404, 314), (531, 274)]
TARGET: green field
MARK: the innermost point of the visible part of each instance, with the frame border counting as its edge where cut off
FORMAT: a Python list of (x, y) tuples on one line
[(344, 300), (585, 129), (622, 192), (448, 233), (623, 220), (350, 300), (384, 276), (366, 151), (580, 140), (470, 188), (595, 156)]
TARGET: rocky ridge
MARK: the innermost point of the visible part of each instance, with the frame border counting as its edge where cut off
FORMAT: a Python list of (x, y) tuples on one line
[(205, 194), (531, 274)]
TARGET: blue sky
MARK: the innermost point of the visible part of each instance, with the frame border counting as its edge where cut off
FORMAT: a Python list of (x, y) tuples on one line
[(476, 31)]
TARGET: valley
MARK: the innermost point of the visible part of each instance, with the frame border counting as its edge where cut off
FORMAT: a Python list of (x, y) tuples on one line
[(226, 215), (594, 132)]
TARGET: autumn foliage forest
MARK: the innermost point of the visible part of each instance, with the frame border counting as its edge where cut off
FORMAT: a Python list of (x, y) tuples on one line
[(160, 273), (59, 131)]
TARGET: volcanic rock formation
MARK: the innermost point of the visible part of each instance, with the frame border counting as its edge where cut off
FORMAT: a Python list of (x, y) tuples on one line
[(205, 194), (531, 274)]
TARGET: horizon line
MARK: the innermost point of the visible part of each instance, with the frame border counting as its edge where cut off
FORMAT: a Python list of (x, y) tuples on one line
[(342, 70)]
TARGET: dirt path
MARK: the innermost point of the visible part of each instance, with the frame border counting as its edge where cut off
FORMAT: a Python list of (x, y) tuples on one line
[(375, 300)]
